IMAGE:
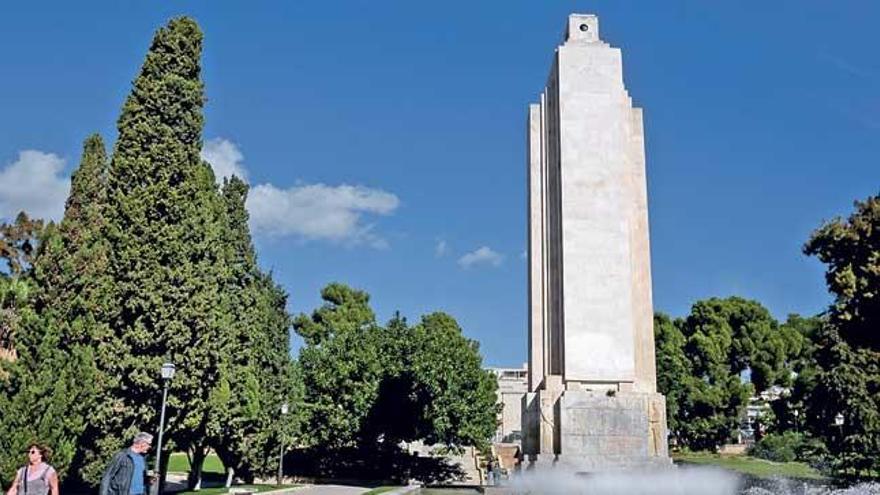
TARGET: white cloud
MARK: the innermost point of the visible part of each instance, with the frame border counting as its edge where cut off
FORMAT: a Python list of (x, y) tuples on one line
[(320, 212), (441, 249), (483, 255), (33, 183), (225, 158), (309, 211)]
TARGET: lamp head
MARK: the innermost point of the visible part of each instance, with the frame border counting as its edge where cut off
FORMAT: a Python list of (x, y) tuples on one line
[(168, 370)]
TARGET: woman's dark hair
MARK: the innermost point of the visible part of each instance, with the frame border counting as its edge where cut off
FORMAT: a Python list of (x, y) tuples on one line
[(45, 452)]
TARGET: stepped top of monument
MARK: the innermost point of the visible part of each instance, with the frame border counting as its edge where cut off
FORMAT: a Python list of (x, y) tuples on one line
[(582, 28)]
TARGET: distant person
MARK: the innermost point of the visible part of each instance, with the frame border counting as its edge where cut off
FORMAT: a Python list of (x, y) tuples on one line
[(490, 473), (36, 477), (127, 472)]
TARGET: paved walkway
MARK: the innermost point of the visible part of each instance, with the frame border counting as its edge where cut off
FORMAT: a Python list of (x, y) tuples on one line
[(331, 490), (347, 490)]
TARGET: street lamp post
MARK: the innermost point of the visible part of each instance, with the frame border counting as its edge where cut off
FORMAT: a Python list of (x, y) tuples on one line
[(838, 422), (168, 370), (284, 409)]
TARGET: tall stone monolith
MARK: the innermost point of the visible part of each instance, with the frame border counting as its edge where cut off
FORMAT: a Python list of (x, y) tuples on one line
[(593, 403)]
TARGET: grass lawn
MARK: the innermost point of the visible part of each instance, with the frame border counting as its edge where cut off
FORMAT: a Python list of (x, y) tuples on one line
[(256, 488), (381, 489), (180, 464), (749, 465)]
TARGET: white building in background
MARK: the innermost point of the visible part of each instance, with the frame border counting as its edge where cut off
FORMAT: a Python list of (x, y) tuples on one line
[(513, 383)]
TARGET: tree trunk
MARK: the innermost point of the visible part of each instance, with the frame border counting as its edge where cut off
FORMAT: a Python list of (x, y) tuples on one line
[(163, 470), (230, 473), (194, 480)]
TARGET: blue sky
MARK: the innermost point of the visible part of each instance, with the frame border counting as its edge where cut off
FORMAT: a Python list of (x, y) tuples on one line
[(386, 138)]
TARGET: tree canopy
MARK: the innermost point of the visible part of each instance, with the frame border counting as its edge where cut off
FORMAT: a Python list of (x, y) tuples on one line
[(847, 383), (373, 386), (713, 361)]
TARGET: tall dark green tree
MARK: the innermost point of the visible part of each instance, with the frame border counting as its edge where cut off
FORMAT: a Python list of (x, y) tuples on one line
[(54, 382), (45, 397), (165, 226), (259, 375), (848, 354), (72, 266)]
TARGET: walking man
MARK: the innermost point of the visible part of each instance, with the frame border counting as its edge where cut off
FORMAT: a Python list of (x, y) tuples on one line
[(127, 472)]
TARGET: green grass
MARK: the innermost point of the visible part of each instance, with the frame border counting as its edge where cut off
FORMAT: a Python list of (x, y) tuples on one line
[(180, 464), (749, 465), (219, 490), (381, 489)]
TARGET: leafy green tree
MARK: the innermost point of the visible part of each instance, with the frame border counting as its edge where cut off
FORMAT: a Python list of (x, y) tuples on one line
[(733, 335), (850, 249), (372, 387), (702, 360), (341, 365), (800, 334), (344, 310), (716, 397), (18, 243), (673, 368), (848, 354), (456, 396)]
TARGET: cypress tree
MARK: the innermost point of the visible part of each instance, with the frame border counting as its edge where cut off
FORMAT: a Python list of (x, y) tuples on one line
[(165, 225), (71, 268), (46, 396), (53, 383), (258, 375)]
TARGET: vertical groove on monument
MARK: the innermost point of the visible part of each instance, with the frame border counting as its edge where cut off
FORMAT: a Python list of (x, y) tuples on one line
[(592, 403)]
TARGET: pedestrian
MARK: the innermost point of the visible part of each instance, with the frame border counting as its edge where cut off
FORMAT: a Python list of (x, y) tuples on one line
[(127, 472), (36, 477), (490, 473)]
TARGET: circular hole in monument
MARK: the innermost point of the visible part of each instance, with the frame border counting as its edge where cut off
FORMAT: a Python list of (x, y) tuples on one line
[(584, 27)]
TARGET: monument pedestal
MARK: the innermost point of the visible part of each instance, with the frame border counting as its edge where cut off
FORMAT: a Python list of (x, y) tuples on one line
[(603, 431), (594, 430)]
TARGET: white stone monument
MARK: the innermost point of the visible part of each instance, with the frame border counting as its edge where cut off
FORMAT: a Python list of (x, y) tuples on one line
[(593, 403)]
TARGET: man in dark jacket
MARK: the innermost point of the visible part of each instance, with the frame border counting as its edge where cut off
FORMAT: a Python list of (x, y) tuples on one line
[(127, 472)]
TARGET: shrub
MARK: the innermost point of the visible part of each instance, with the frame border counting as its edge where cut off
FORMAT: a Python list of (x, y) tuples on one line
[(779, 447), (789, 446)]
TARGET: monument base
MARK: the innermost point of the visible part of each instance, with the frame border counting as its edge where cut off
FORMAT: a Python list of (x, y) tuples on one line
[(593, 431)]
